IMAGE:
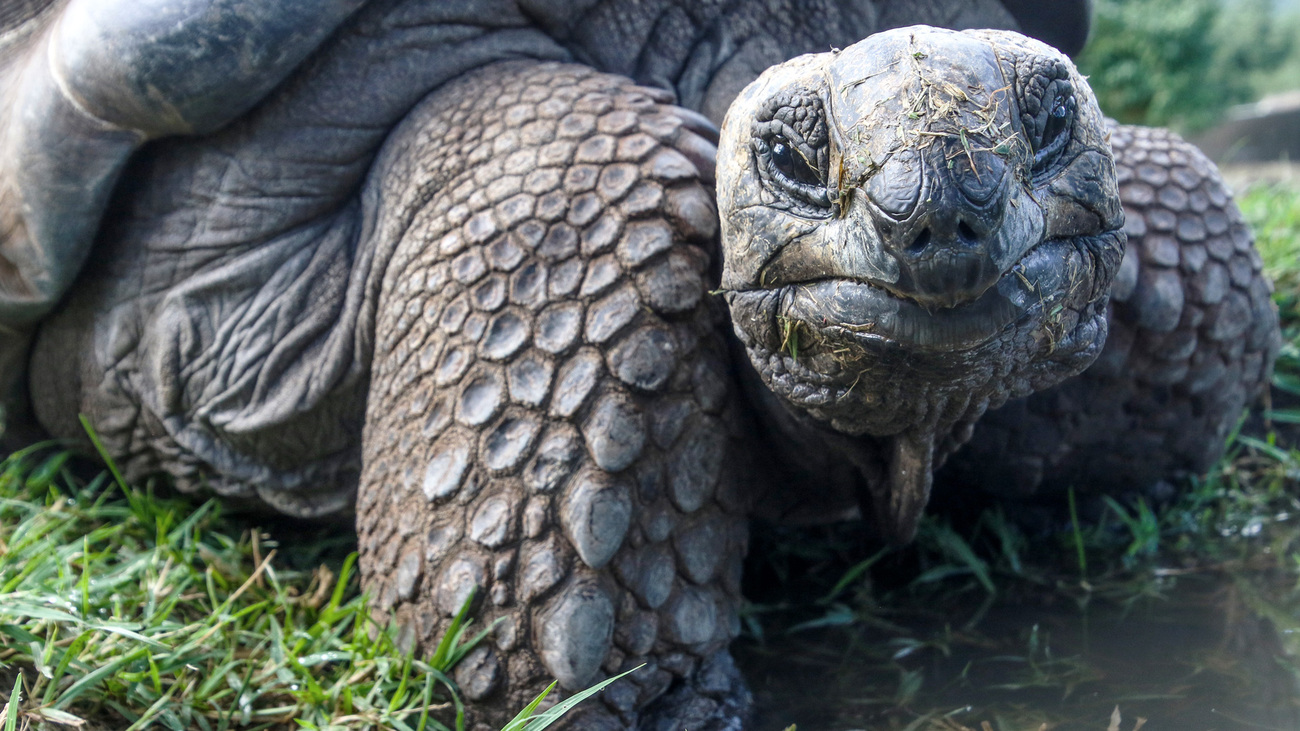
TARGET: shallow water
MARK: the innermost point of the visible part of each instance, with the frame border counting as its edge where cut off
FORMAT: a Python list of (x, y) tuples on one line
[(1211, 650)]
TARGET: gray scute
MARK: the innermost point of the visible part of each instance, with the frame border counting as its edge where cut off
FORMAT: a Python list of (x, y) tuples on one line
[(458, 580), (439, 541), (491, 524), (558, 326), (693, 616), (1159, 299), (643, 240), (607, 316), (637, 635), (507, 444), (447, 466), (645, 359), (506, 334), (555, 460), (408, 574), (528, 285), (575, 634), (480, 399), (479, 673), (596, 515), (542, 569), (576, 379), (699, 547), (651, 574), (530, 379), (615, 432), (696, 465)]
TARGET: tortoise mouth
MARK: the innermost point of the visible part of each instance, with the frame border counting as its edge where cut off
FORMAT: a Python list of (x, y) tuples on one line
[(860, 313), (853, 310)]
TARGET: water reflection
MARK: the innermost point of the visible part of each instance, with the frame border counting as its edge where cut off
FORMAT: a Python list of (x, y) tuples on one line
[(1211, 650)]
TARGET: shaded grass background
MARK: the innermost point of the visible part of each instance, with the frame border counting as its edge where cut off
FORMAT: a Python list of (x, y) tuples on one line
[(1183, 63)]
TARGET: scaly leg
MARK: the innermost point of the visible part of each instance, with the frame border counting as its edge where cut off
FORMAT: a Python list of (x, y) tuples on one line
[(550, 411)]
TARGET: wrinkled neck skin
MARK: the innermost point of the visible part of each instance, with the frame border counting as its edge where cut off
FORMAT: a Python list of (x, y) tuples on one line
[(915, 230)]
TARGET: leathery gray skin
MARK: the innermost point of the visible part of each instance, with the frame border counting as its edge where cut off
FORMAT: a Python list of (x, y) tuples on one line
[(94, 80), (917, 229), (452, 272), (83, 84)]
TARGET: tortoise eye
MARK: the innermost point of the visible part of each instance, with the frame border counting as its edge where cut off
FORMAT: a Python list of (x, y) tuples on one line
[(1058, 119), (789, 171), (792, 164), (1056, 127), (791, 151)]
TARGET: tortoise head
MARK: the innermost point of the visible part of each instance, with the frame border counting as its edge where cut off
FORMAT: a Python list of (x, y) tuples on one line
[(914, 229)]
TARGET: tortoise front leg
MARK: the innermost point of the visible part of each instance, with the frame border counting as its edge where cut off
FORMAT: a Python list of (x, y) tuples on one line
[(550, 413)]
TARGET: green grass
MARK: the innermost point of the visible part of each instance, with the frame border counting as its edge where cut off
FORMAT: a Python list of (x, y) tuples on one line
[(1274, 213), (1183, 63), (131, 610)]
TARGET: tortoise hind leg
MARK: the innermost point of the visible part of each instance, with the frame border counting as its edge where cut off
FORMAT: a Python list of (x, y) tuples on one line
[(1193, 336), (549, 411)]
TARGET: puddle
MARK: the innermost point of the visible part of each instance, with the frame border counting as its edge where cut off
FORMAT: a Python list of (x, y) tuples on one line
[(1213, 651)]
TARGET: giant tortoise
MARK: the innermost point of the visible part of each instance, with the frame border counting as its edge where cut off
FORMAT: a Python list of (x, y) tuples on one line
[(458, 266)]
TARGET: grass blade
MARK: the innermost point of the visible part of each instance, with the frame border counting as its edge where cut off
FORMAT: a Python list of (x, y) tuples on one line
[(13, 709), (441, 654), (554, 713), (1080, 555), (518, 721)]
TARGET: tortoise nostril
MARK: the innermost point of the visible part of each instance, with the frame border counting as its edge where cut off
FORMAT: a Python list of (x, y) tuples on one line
[(921, 241), (967, 234)]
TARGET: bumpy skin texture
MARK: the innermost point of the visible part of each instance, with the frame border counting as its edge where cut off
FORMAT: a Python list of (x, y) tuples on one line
[(549, 412), (1193, 335)]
